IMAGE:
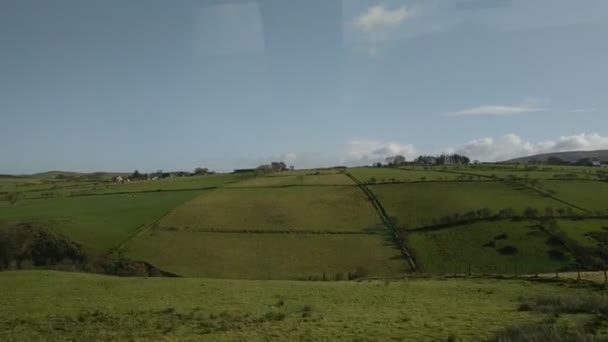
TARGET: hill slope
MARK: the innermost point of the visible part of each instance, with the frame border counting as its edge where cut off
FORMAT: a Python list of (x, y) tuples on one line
[(570, 156)]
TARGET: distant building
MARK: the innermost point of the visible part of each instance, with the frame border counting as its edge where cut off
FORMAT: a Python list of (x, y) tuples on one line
[(119, 179), (596, 163)]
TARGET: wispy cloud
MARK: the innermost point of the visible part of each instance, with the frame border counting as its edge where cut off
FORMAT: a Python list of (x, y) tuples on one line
[(498, 110), (583, 110)]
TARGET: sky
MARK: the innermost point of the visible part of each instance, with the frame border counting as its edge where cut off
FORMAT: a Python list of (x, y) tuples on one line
[(113, 85)]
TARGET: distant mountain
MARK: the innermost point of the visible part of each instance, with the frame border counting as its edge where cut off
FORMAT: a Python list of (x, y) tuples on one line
[(571, 156)]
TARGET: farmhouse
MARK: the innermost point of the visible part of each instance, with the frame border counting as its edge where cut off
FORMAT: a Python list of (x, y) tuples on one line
[(596, 163), (119, 179)]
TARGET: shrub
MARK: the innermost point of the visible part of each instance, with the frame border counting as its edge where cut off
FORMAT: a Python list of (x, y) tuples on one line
[(502, 236)]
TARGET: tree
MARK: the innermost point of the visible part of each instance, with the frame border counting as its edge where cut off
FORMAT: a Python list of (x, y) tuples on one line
[(399, 160), (506, 213), (136, 175), (263, 169), (278, 166), (530, 212), (201, 171)]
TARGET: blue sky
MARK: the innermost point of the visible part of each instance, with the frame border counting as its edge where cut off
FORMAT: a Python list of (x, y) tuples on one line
[(122, 85)]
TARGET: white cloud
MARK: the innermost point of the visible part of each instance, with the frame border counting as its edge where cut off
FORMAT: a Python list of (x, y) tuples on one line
[(377, 18), (366, 151), (512, 146), (498, 110), (377, 21)]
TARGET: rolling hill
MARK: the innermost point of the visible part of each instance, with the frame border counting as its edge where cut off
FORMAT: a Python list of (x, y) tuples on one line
[(570, 156)]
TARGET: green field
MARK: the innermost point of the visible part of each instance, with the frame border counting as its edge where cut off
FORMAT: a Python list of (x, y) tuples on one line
[(294, 180), (589, 195), (299, 224), (419, 204), (484, 248), (97, 222), (506, 173), (579, 230), (268, 256), (43, 188), (63, 306), (279, 209), (389, 175)]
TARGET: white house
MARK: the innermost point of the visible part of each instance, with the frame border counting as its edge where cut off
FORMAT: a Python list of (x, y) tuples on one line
[(596, 163)]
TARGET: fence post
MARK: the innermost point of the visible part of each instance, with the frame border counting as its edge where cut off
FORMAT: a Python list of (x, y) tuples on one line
[(556, 275), (469, 270), (578, 275)]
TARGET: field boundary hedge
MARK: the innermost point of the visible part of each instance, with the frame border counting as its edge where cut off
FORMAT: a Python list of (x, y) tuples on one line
[(382, 214), (267, 231)]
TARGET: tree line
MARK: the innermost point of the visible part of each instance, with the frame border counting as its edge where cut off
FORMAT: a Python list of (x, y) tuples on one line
[(442, 159)]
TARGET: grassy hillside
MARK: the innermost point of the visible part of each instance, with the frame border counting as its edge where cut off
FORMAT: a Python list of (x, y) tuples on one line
[(420, 204), (62, 306), (510, 247), (280, 209), (570, 156), (295, 180), (269, 256), (303, 223), (389, 175), (97, 222), (590, 195)]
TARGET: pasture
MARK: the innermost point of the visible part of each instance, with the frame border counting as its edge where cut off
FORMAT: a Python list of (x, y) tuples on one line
[(302, 224), (582, 231), (54, 306), (421, 204), (370, 175), (277, 209), (507, 247), (589, 195), (48, 188), (97, 222), (296, 180), (269, 256)]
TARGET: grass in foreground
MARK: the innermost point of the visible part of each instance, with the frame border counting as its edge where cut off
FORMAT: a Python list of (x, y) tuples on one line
[(63, 306)]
